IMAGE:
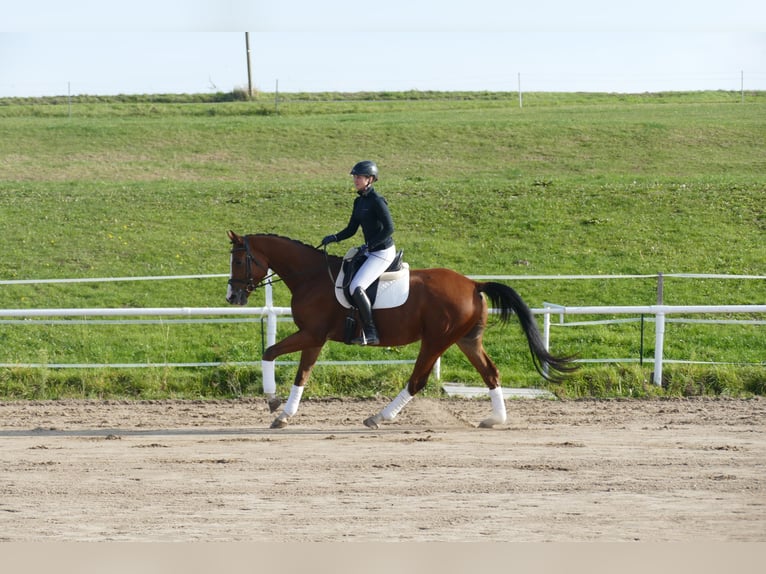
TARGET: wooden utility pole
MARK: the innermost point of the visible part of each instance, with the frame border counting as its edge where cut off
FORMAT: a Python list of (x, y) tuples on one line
[(249, 67)]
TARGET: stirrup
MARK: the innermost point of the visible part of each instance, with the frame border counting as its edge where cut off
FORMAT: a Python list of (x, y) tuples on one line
[(367, 339)]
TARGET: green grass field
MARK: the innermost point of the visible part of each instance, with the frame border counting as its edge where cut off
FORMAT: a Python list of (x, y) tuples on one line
[(580, 184)]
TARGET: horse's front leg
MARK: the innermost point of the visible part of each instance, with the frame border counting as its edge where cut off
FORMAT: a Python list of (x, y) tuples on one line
[(308, 359), (298, 341)]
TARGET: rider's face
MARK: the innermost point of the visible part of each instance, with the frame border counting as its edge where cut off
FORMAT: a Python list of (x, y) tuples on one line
[(362, 182)]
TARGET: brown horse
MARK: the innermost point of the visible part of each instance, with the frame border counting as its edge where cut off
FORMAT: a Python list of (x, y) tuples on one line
[(443, 308)]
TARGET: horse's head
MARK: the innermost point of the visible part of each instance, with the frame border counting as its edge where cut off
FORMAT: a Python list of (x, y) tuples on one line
[(246, 270)]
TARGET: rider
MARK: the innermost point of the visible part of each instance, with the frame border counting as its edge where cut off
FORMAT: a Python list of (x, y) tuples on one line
[(371, 212)]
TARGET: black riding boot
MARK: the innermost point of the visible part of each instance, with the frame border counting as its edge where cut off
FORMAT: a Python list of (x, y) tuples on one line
[(370, 333)]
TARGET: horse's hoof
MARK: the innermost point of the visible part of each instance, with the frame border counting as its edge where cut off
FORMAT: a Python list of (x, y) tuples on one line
[(489, 423), (371, 423), (279, 423), (274, 403)]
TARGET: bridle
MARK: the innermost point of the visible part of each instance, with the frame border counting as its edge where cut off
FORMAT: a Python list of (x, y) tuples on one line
[(249, 284)]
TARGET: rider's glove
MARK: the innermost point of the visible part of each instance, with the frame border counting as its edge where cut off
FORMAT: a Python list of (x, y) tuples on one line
[(329, 239)]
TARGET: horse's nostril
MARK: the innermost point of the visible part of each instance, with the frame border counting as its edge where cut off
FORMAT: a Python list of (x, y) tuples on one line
[(237, 298)]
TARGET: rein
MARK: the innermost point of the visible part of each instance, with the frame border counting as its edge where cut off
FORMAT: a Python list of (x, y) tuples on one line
[(327, 263)]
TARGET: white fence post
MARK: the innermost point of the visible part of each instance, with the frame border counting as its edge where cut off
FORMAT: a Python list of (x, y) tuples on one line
[(546, 335), (547, 327), (659, 331), (659, 341), (267, 367), (271, 318)]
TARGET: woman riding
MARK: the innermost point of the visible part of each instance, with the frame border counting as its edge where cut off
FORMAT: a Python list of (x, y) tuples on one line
[(370, 211)]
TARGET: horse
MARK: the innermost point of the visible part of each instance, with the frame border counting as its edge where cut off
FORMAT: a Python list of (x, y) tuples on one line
[(443, 308)]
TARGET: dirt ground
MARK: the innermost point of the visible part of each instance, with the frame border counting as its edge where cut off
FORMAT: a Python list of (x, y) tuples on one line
[(661, 470)]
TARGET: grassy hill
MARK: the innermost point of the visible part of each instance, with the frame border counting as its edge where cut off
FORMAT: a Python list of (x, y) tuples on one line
[(566, 184)]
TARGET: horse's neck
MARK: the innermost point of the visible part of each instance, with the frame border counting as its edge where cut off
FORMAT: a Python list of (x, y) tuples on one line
[(292, 261)]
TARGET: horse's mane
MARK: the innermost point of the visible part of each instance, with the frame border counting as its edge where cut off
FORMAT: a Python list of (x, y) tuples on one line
[(298, 242), (290, 239)]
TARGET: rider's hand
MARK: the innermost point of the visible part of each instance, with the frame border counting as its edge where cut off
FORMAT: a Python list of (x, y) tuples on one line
[(329, 239), (362, 250)]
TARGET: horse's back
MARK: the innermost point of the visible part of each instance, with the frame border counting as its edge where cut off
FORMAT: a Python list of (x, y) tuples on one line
[(441, 282)]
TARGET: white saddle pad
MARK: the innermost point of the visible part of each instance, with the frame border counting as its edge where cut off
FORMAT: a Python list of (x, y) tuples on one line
[(393, 287)]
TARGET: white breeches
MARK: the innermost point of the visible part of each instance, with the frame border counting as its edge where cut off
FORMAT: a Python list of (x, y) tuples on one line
[(377, 262)]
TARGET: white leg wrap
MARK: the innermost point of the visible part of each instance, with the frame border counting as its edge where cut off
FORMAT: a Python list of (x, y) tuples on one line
[(291, 407), (393, 408), (498, 405), (269, 380)]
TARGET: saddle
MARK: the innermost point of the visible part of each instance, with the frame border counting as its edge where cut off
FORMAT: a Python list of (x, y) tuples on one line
[(387, 291)]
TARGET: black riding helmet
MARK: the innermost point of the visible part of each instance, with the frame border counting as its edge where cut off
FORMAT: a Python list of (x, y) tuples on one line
[(366, 167)]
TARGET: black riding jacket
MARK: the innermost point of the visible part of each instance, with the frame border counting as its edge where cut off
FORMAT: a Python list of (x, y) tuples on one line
[(371, 212)]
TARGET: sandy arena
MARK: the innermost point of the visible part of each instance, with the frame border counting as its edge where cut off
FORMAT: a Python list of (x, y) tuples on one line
[(662, 470)]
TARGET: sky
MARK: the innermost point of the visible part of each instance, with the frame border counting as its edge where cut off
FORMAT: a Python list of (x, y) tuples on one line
[(105, 47)]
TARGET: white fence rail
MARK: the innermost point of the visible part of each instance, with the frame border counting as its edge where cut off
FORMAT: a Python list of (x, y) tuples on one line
[(660, 313), (272, 313)]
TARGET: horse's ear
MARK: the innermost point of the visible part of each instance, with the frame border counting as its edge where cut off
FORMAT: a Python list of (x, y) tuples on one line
[(233, 237)]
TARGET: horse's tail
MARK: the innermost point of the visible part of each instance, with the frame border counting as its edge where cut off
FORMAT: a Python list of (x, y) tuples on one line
[(502, 297)]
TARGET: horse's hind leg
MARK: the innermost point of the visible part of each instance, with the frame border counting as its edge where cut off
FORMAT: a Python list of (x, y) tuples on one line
[(473, 348)]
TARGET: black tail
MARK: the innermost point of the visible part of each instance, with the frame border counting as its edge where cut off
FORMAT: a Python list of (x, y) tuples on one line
[(509, 302)]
